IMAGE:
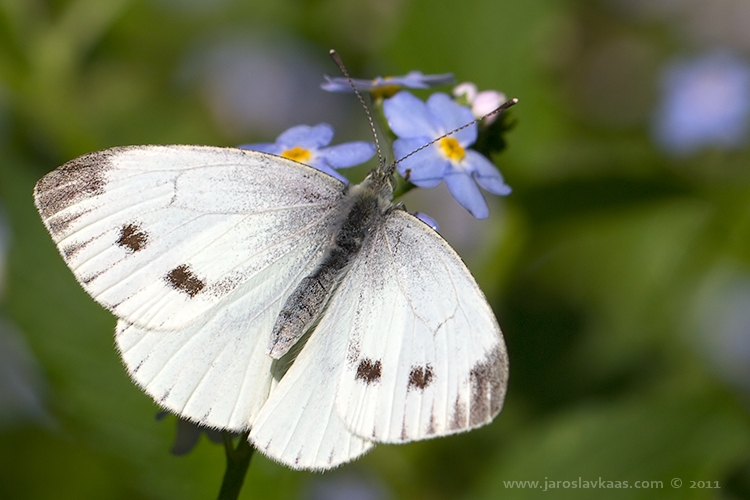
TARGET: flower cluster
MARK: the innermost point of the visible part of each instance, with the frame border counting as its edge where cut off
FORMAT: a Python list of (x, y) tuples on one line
[(431, 139)]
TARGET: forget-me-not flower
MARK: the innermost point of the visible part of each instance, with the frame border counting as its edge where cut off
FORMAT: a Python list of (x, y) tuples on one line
[(706, 102), (306, 145), (389, 85), (416, 123)]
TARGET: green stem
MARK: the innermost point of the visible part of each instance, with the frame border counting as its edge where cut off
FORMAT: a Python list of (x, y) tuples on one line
[(238, 461)]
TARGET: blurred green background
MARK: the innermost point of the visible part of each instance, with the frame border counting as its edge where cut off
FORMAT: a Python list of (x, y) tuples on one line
[(619, 267)]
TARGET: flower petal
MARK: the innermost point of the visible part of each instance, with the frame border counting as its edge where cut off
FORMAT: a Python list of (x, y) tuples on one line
[(403, 147), (466, 91), (486, 173), (465, 191), (307, 137), (424, 169), (486, 102), (263, 147), (320, 164), (418, 80), (348, 154), (341, 84), (408, 117), (450, 115), (427, 220)]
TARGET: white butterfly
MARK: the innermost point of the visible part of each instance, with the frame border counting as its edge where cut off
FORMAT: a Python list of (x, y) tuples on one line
[(256, 293)]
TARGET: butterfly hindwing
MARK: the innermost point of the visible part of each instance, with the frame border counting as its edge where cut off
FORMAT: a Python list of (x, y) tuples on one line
[(425, 356), (147, 235), (299, 425)]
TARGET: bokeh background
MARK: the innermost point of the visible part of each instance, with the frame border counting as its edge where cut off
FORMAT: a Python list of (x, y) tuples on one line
[(619, 267)]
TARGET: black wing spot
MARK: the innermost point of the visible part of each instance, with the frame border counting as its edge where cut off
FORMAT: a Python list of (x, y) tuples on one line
[(183, 279), (132, 237), (77, 180), (369, 371), (420, 377), (489, 378)]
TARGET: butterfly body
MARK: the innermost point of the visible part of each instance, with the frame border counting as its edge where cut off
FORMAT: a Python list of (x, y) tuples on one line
[(217, 261), (366, 205)]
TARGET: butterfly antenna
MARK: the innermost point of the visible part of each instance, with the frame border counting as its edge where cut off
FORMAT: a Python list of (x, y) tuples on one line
[(337, 59)]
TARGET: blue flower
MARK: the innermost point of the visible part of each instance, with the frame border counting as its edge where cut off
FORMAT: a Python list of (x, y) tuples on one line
[(427, 220), (389, 85), (307, 145), (416, 123), (706, 102)]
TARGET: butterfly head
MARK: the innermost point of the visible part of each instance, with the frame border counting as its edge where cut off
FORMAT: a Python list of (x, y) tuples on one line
[(381, 182)]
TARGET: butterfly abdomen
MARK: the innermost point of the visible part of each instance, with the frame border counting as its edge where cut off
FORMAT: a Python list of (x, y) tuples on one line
[(307, 301)]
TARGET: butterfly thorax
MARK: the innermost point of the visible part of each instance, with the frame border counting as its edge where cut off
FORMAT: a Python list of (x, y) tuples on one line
[(366, 205)]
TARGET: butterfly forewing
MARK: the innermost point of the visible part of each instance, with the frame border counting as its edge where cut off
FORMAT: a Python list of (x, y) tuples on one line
[(425, 356), (161, 234), (216, 371)]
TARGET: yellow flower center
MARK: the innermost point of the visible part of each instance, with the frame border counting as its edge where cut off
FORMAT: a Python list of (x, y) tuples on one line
[(385, 91), (297, 153), (451, 148)]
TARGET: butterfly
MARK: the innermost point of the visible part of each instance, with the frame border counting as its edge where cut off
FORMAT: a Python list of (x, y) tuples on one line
[(257, 294)]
